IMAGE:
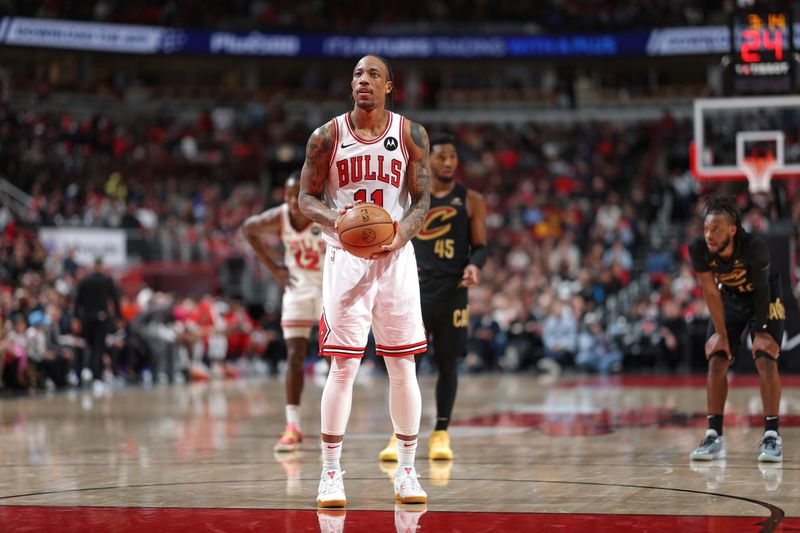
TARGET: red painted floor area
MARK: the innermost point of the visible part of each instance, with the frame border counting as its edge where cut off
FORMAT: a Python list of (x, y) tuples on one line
[(123, 520)]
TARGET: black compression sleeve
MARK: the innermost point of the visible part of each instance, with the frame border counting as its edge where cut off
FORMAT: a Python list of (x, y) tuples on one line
[(761, 289), (760, 273), (478, 256)]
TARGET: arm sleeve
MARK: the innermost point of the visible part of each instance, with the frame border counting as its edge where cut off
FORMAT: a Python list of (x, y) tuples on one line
[(478, 255), (759, 267), (698, 254)]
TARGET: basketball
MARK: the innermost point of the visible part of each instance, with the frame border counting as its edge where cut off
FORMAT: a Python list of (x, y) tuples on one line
[(364, 229)]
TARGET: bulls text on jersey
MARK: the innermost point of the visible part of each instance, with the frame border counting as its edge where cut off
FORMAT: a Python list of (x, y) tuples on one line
[(367, 168)]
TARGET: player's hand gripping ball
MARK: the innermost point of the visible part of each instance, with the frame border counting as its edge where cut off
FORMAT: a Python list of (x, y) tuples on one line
[(364, 229)]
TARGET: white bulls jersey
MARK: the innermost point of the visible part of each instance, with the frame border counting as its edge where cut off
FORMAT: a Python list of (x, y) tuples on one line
[(304, 253), (372, 171)]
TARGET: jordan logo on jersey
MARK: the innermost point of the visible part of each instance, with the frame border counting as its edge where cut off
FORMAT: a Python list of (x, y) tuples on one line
[(369, 168)]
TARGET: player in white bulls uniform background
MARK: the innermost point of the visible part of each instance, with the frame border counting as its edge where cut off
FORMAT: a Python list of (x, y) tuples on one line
[(369, 155), (301, 275)]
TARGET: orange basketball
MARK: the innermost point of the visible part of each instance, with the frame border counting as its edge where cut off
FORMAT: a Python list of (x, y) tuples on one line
[(364, 229)]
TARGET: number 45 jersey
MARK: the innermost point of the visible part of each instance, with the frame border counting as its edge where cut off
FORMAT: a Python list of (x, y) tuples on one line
[(368, 170), (303, 256), (442, 245)]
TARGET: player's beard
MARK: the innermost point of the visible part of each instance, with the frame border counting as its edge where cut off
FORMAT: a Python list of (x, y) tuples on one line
[(446, 179), (723, 245)]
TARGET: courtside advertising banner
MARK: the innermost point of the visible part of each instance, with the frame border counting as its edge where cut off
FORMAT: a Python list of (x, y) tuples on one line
[(88, 243), (140, 39), (95, 36)]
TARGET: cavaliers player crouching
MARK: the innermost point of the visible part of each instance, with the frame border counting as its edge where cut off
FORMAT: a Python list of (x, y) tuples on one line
[(742, 294)]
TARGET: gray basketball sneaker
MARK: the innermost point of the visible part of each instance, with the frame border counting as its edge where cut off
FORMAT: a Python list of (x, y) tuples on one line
[(710, 448), (771, 448)]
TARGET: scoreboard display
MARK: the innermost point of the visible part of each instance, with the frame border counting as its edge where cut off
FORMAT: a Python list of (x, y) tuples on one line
[(762, 49)]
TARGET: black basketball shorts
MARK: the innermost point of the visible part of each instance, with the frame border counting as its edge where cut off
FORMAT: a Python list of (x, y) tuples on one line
[(740, 316), (445, 313)]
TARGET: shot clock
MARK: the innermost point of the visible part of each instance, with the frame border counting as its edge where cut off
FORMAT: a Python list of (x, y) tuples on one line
[(762, 49)]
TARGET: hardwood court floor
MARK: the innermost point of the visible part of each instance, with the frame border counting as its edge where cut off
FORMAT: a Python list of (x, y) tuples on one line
[(581, 454)]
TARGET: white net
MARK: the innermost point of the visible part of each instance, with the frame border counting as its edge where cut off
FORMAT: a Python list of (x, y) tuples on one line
[(759, 172)]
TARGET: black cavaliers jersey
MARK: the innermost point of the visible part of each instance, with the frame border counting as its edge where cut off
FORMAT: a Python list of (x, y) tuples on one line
[(736, 276), (443, 244)]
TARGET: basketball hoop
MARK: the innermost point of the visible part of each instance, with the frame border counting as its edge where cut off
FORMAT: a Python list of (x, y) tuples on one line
[(759, 169)]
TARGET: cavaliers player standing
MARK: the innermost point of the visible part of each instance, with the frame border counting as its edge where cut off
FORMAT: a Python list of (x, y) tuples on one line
[(451, 250), (369, 154), (301, 275), (741, 293)]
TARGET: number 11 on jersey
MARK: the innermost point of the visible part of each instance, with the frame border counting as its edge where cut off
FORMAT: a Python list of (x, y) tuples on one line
[(376, 197)]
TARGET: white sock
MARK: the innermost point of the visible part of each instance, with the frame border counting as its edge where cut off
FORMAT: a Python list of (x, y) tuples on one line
[(331, 454), (711, 433), (406, 450), (293, 415)]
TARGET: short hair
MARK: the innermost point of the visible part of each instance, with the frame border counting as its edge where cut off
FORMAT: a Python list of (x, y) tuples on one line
[(441, 138), (389, 76), (720, 204)]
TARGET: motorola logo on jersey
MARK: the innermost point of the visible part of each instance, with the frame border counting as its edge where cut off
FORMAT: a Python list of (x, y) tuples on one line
[(434, 226), (369, 168), (390, 143)]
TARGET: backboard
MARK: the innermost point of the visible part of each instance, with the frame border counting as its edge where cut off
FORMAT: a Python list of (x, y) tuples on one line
[(753, 138)]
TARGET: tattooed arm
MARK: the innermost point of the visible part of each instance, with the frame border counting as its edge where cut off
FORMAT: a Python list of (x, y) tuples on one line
[(313, 176), (419, 186)]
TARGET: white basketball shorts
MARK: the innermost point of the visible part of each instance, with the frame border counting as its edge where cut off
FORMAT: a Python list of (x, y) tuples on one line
[(383, 293), (302, 308)]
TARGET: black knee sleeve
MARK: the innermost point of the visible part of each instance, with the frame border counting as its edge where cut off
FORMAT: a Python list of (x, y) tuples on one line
[(762, 354)]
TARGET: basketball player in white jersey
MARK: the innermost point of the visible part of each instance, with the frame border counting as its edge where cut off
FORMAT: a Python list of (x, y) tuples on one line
[(301, 275), (369, 155)]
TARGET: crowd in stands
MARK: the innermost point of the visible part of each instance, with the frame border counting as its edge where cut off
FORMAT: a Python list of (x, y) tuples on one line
[(358, 15), (158, 337), (573, 278)]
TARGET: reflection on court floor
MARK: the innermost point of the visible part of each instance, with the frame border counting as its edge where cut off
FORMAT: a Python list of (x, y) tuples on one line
[(577, 455)]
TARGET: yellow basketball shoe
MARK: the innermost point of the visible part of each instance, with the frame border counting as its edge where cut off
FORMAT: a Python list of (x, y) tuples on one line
[(439, 446), (390, 452)]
